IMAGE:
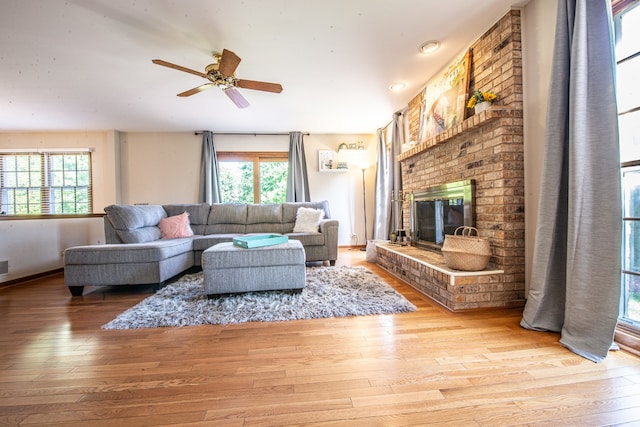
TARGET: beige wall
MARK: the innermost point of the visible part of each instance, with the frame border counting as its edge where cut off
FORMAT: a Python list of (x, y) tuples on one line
[(344, 189), (159, 168), (538, 32), (35, 246)]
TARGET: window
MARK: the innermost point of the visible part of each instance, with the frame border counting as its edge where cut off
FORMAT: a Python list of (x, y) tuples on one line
[(250, 177), (627, 26), (42, 183)]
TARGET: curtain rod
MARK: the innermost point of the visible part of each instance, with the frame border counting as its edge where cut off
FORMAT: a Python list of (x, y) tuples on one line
[(399, 112), (251, 133)]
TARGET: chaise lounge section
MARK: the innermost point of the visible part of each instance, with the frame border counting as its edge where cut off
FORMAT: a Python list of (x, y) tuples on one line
[(135, 252)]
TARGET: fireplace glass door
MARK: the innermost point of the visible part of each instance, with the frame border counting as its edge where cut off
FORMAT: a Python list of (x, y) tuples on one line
[(435, 218), (438, 211)]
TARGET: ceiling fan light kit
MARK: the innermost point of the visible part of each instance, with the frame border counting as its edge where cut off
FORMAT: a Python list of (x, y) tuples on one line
[(236, 97), (221, 73)]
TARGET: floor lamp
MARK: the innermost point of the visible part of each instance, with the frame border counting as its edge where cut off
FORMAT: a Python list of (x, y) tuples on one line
[(364, 167)]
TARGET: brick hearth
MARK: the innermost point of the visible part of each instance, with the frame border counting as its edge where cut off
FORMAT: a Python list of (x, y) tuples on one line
[(456, 290)]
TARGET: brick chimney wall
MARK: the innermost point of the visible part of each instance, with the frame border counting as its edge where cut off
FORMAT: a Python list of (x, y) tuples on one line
[(487, 147)]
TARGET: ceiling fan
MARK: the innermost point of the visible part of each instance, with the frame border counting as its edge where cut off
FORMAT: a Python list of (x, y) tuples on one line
[(222, 74)]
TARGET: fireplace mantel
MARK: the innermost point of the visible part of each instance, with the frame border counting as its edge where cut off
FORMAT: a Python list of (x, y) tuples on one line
[(472, 123)]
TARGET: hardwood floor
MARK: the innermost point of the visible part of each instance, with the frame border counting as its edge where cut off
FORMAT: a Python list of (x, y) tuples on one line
[(430, 367)]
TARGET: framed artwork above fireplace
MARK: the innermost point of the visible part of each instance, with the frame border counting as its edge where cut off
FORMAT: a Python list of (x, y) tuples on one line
[(443, 99)]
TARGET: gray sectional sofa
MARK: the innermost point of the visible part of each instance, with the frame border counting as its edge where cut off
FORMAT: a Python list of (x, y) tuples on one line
[(135, 253)]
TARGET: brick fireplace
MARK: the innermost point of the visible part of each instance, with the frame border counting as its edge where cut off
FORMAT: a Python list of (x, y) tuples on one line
[(488, 148)]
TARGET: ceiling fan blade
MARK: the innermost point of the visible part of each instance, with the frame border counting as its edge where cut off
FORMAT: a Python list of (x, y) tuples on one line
[(228, 63), (197, 89), (267, 87), (178, 67), (236, 97)]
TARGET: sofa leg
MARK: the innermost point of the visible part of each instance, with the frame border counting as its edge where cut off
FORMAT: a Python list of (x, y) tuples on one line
[(332, 262), (76, 291)]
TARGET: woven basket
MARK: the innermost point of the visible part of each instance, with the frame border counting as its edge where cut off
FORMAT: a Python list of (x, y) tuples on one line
[(462, 251)]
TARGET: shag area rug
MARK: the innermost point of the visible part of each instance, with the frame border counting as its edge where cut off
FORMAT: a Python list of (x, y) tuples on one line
[(328, 292)]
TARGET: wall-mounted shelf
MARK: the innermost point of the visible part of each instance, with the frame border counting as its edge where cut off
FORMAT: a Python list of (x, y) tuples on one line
[(343, 158), (334, 170), (327, 162)]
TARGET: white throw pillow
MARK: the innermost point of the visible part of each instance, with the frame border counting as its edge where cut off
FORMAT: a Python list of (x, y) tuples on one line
[(307, 220)]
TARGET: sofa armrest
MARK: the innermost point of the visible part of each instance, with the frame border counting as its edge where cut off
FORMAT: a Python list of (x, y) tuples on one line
[(329, 227), (326, 224)]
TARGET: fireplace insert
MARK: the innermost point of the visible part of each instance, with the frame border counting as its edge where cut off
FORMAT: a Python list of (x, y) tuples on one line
[(439, 210)]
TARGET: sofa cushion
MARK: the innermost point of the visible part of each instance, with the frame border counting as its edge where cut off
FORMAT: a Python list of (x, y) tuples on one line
[(175, 227), (141, 235), (227, 255), (130, 217), (136, 223), (198, 214), (127, 252), (264, 218), (290, 211), (307, 220), (200, 243), (226, 218)]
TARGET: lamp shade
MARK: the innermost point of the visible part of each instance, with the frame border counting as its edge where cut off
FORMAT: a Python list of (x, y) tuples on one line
[(361, 163)]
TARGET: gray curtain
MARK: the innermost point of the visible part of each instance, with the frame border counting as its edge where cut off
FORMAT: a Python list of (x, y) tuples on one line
[(297, 180), (382, 196), (388, 191), (209, 174), (575, 277)]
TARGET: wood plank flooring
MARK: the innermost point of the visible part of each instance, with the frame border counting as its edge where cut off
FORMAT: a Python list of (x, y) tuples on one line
[(430, 367)]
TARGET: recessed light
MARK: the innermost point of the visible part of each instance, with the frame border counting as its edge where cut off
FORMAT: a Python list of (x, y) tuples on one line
[(395, 87), (429, 47)]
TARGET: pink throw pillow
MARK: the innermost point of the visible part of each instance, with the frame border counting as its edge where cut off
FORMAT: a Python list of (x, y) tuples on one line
[(175, 227)]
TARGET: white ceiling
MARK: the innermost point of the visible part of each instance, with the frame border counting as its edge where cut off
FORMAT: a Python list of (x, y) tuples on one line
[(86, 64)]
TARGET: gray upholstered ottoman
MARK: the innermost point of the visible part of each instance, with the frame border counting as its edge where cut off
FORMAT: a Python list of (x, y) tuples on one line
[(229, 269)]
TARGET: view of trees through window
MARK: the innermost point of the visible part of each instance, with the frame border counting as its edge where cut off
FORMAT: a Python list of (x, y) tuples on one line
[(628, 94), (253, 177), (273, 182), (45, 183)]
